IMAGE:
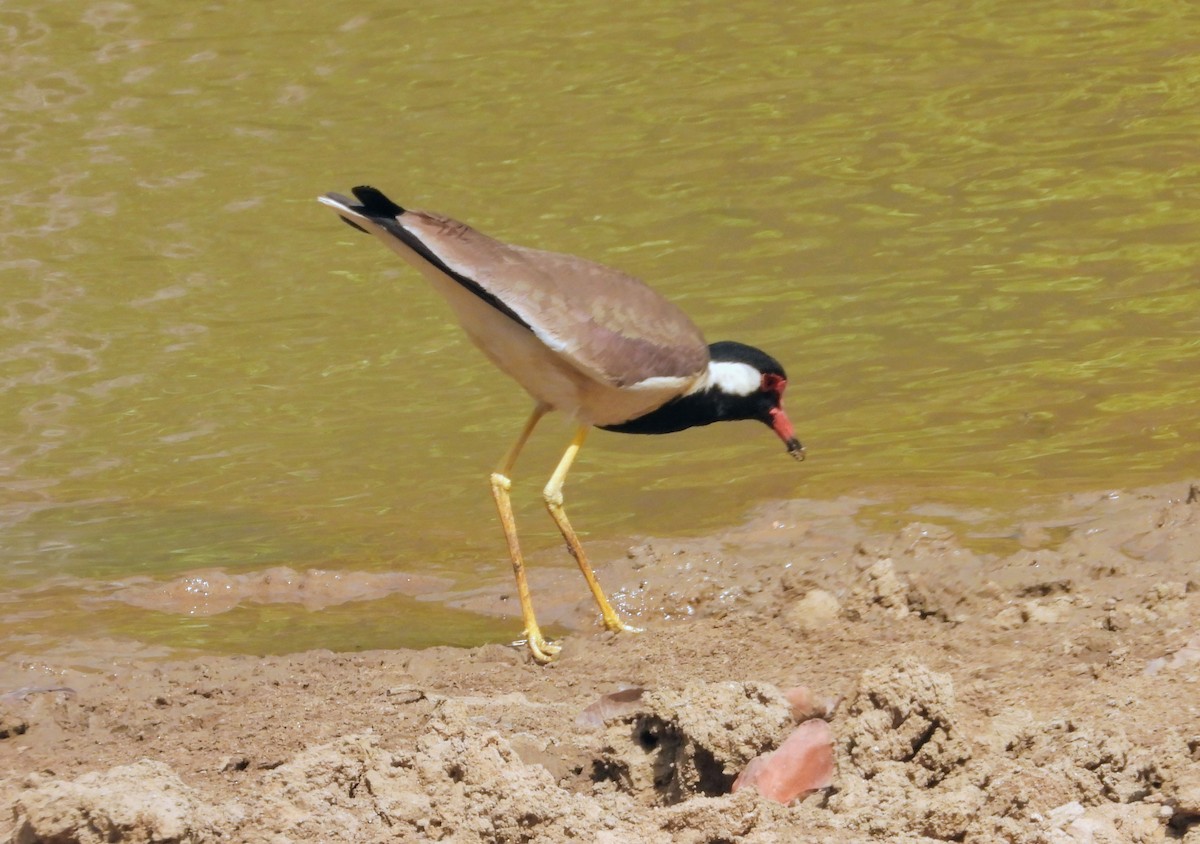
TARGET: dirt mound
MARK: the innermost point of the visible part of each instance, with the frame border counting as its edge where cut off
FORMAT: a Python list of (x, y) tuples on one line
[(659, 772), (143, 802), (693, 742)]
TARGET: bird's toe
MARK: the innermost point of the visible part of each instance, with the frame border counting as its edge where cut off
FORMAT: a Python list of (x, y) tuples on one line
[(542, 650), (616, 625)]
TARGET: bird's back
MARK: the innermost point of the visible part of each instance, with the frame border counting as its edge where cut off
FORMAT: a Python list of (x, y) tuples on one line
[(578, 336), (610, 325)]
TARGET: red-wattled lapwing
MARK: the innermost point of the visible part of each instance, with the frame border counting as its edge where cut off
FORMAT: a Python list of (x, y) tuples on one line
[(583, 339)]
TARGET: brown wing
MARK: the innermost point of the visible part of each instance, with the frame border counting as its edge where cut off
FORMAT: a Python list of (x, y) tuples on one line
[(604, 322)]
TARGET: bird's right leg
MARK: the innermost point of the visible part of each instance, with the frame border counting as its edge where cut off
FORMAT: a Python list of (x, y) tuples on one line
[(553, 497), (542, 650)]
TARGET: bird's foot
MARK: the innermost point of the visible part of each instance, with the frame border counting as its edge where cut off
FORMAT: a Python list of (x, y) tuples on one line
[(614, 624), (541, 650)]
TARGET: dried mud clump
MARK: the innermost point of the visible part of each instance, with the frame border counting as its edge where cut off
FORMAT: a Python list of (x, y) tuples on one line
[(908, 759), (11, 723), (681, 744), (458, 783), (143, 803), (903, 755), (903, 716)]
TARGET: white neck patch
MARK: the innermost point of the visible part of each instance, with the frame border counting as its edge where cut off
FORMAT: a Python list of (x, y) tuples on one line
[(735, 379)]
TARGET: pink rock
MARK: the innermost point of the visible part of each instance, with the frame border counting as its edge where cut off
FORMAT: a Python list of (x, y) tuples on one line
[(807, 705), (609, 706), (802, 764)]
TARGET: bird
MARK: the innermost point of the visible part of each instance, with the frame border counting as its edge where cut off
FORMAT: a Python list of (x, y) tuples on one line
[(582, 339)]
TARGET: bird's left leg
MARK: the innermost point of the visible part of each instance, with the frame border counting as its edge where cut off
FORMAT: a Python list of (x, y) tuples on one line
[(542, 650), (554, 503)]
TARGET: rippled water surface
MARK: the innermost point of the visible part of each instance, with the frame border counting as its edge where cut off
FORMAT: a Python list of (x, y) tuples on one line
[(969, 230)]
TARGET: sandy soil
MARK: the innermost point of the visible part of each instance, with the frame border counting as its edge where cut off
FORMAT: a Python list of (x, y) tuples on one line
[(1048, 693)]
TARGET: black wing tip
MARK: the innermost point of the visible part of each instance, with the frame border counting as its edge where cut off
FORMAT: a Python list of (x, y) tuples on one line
[(353, 225), (375, 203)]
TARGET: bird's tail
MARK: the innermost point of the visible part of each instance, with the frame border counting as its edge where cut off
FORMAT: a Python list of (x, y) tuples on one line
[(372, 205)]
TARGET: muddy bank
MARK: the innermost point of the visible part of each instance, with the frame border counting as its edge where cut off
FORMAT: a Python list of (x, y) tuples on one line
[(1047, 693)]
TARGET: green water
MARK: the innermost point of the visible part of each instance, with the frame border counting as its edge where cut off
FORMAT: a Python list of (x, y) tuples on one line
[(969, 230)]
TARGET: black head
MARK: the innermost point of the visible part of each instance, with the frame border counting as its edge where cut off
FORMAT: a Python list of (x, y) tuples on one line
[(743, 383), (728, 351), (747, 383)]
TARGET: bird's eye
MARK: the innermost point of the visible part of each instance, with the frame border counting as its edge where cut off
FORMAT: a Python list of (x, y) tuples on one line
[(773, 383)]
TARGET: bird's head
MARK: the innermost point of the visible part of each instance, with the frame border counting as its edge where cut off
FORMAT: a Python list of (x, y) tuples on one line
[(750, 384)]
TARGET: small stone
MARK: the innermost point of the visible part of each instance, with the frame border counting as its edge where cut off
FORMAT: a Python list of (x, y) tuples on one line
[(1045, 612), (1010, 618), (405, 694), (812, 612), (11, 724), (805, 704)]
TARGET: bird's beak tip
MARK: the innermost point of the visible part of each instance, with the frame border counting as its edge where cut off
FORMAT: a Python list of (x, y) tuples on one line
[(796, 450)]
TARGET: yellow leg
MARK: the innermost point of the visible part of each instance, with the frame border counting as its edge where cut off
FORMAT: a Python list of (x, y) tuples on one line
[(554, 503), (542, 650)]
